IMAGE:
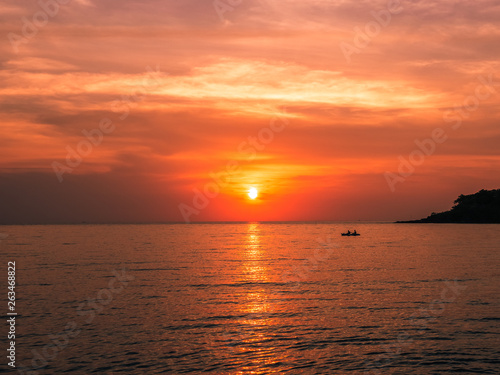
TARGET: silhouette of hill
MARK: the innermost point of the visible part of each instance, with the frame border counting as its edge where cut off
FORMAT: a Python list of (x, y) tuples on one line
[(482, 207)]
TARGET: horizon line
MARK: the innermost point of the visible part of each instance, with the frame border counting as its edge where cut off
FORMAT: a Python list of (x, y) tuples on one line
[(205, 222)]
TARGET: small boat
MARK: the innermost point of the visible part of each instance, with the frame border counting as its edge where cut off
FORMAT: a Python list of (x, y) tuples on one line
[(351, 234)]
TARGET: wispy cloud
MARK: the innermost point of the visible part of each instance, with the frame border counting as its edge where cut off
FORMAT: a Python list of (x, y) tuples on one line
[(222, 81)]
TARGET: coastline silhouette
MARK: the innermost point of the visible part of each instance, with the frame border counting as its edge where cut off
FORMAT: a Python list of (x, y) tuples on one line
[(482, 207)]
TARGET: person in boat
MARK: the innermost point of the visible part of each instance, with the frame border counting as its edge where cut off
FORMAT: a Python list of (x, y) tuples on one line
[(348, 231), (354, 232)]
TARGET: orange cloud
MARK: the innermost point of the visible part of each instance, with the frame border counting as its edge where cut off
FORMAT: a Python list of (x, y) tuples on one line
[(220, 83)]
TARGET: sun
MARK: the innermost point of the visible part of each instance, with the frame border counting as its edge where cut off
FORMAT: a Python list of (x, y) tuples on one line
[(253, 193)]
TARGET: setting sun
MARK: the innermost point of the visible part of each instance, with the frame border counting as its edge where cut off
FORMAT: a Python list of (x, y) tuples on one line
[(253, 193)]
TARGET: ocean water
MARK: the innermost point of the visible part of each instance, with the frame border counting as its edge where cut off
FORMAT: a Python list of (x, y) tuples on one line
[(255, 298)]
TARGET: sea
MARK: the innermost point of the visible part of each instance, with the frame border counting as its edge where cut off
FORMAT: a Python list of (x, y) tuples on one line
[(252, 298)]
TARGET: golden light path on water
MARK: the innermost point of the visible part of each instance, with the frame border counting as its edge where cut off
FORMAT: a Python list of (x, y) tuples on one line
[(257, 308)]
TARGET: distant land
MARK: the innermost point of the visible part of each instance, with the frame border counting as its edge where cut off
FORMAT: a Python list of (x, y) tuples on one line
[(482, 207)]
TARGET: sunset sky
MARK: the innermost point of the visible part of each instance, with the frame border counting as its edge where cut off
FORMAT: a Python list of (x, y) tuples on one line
[(180, 86)]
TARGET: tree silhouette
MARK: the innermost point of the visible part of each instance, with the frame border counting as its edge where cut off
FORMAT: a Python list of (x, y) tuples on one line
[(481, 207)]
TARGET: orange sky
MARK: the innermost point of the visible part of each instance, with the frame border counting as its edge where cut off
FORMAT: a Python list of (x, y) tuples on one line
[(179, 87)]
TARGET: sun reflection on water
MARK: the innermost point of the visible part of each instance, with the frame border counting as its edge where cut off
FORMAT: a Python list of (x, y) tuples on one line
[(257, 320)]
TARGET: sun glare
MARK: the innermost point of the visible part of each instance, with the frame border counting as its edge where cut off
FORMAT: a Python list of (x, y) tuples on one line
[(253, 193)]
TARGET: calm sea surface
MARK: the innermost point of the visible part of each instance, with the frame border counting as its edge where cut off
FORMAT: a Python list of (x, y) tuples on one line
[(255, 298)]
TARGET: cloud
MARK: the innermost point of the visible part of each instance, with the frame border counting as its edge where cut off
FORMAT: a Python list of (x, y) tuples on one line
[(221, 83)]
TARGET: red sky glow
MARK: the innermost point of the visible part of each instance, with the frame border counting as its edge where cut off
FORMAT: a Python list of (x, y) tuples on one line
[(128, 111)]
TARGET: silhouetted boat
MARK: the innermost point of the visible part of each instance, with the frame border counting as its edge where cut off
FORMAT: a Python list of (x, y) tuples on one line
[(351, 234)]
